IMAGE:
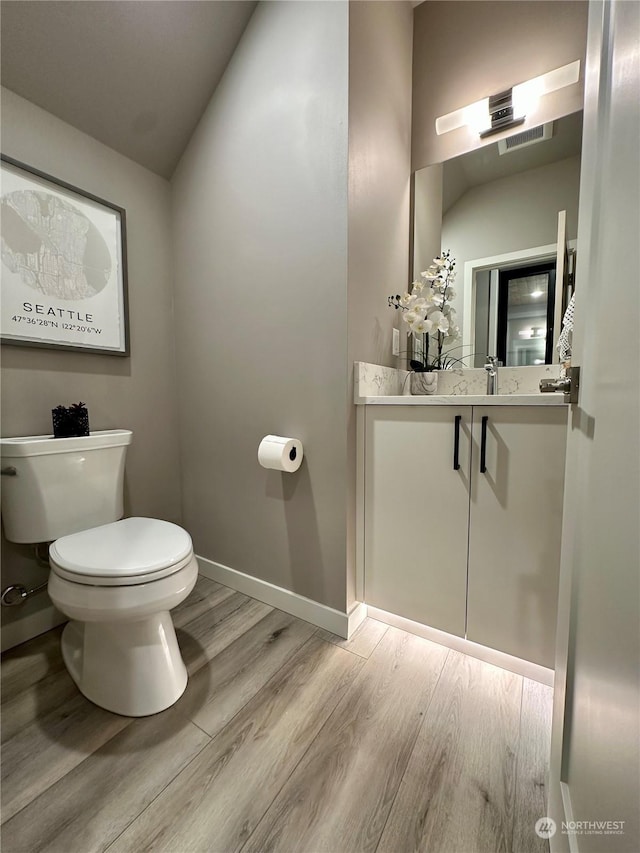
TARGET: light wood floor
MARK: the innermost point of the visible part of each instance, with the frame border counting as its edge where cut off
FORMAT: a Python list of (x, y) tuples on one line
[(287, 739)]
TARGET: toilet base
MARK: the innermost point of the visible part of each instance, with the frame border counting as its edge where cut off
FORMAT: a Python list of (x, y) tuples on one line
[(131, 668)]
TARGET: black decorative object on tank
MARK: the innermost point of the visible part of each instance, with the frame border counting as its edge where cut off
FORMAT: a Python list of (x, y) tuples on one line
[(72, 421)]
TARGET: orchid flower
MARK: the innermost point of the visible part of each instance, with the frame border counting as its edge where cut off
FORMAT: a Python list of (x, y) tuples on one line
[(427, 310)]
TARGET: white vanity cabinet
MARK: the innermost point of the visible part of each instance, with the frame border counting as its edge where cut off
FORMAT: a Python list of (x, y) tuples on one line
[(515, 527), (416, 513), (473, 550)]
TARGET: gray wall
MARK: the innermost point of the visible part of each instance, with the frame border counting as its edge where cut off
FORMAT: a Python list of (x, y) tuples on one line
[(380, 54), (260, 241), (305, 145), (136, 392), (468, 50)]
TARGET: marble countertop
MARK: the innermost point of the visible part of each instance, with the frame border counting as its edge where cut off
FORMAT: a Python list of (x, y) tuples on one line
[(376, 385), (464, 400)]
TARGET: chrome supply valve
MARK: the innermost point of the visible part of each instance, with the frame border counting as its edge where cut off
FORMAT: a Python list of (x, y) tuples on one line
[(17, 594), (568, 385), (548, 386)]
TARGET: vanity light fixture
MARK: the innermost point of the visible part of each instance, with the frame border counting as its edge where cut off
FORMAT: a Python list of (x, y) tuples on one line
[(501, 113), (533, 332), (509, 108)]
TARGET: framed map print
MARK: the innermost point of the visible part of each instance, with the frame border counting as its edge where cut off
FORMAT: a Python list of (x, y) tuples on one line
[(63, 270)]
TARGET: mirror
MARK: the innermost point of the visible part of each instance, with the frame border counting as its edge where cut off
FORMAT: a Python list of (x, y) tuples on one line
[(496, 209)]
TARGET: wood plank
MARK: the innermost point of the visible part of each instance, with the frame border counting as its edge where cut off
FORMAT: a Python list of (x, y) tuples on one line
[(36, 702), (205, 595), (363, 642), (533, 767), (90, 806), (339, 797), (217, 692), (205, 637), (40, 753), (75, 776), (457, 793), (43, 752), (216, 802), (25, 665)]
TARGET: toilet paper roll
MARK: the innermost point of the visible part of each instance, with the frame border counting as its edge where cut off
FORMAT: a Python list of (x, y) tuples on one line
[(280, 453)]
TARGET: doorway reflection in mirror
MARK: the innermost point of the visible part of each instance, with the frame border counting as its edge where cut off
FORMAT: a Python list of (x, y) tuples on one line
[(497, 209)]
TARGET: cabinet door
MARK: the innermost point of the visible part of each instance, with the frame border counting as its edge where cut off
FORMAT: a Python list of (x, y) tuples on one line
[(416, 513), (515, 525)]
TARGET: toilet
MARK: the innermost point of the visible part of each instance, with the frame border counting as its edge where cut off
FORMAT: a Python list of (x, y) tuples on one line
[(116, 580)]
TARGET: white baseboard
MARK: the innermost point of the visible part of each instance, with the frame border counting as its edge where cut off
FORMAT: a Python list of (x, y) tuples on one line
[(521, 667), (342, 624), (356, 617), (21, 630)]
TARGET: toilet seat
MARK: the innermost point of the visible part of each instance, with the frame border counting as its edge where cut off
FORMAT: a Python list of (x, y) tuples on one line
[(124, 553)]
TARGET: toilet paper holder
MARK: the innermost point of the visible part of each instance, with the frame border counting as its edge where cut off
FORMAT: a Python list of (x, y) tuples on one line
[(280, 453)]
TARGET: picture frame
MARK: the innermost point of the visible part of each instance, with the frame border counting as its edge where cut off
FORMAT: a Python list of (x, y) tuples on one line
[(63, 266)]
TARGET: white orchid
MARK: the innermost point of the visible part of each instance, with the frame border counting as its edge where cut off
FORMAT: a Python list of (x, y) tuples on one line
[(431, 274), (422, 327), (427, 310), (440, 322)]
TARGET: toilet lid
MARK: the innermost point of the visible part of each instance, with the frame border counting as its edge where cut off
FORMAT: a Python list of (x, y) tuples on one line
[(123, 550)]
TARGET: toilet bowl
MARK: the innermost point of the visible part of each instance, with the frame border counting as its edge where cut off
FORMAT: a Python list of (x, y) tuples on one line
[(116, 580), (117, 583)]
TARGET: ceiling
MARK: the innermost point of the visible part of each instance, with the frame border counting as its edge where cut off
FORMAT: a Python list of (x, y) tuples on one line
[(486, 164), (134, 74)]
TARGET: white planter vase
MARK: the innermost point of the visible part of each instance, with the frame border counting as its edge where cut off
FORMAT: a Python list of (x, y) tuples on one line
[(424, 383)]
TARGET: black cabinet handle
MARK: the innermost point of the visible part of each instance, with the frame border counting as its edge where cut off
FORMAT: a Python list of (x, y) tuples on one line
[(483, 446), (456, 443)]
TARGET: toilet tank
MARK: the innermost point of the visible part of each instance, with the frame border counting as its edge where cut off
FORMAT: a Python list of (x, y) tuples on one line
[(55, 486)]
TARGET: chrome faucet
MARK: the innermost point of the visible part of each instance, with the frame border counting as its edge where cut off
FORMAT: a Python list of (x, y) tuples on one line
[(491, 367)]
